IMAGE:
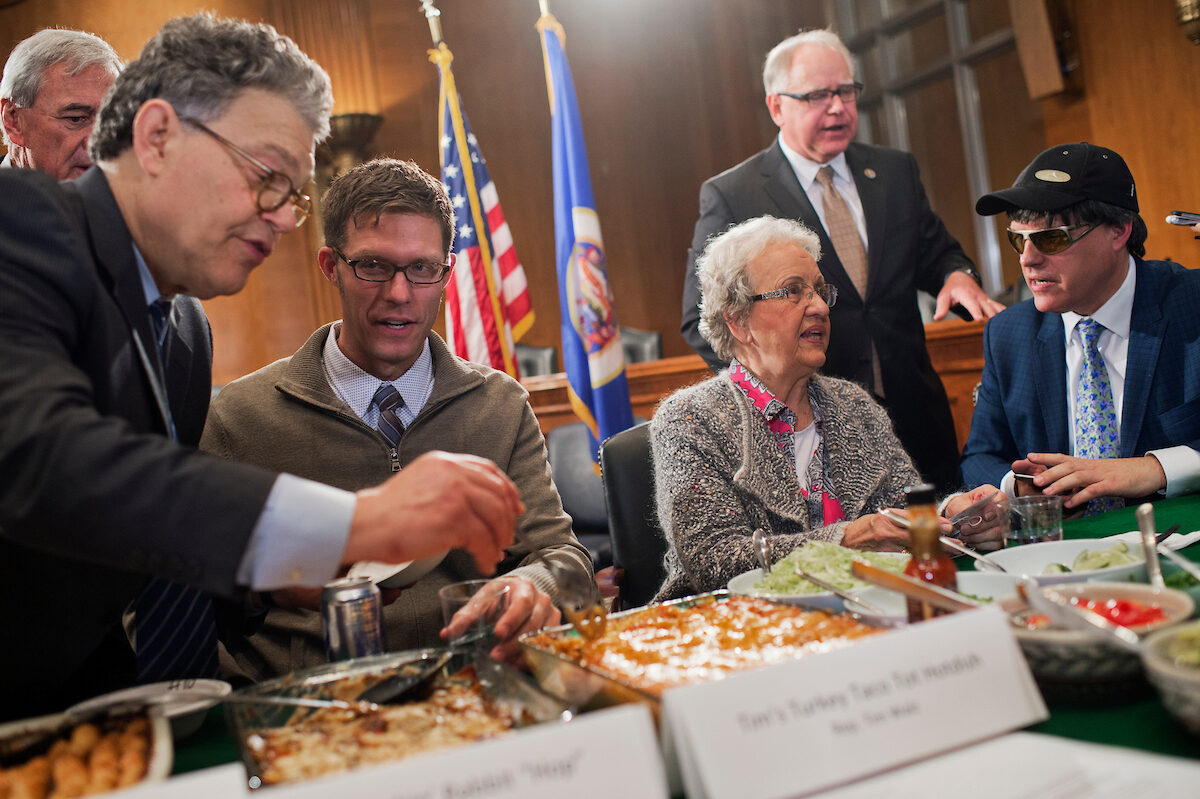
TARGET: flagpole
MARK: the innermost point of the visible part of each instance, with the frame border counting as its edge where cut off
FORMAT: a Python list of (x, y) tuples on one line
[(434, 17), (448, 96)]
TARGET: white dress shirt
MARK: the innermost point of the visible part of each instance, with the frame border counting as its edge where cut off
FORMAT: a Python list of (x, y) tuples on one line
[(843, 181)]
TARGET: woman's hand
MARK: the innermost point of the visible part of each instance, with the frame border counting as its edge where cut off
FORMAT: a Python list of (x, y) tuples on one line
[(874, 532)]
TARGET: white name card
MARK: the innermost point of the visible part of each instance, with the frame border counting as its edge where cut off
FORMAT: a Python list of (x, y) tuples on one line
[(587, 757), (811, 723)]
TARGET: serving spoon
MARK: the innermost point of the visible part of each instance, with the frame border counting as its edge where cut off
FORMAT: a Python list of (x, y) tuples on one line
[(949, 543)]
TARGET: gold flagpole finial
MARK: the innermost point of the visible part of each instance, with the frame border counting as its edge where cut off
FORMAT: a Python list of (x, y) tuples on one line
[(434, 17)]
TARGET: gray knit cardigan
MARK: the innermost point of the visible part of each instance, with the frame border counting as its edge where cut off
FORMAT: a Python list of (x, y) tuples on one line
[(719, 474)]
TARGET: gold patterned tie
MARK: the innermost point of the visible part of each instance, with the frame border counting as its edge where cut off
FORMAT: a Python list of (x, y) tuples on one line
[(843, 232)]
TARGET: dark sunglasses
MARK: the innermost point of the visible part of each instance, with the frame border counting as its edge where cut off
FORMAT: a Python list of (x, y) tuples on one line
[(1049, 241)]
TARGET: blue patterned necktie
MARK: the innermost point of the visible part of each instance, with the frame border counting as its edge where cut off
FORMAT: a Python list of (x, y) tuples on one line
[(176, 629), (1096, 432), (389, 401)]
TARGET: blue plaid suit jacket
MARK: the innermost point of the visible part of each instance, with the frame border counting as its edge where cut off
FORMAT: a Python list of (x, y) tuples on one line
[(1022, 402)]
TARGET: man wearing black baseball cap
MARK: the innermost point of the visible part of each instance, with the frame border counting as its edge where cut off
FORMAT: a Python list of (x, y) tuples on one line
[(1093, 386)]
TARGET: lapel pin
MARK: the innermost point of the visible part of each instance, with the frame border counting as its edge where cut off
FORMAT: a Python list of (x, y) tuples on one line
[(870, 173)]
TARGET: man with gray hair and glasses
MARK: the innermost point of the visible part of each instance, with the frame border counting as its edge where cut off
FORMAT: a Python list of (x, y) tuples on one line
[(114, 530), (53, 84), (881, 240)]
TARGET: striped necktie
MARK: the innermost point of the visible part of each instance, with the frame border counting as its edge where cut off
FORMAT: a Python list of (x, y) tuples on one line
[(1096, 432), (389, 402), (176, 628)]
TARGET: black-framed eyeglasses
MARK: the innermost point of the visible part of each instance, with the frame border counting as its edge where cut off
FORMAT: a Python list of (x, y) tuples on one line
[(376, 270), (1048, 241), (821, 98), (799, 292), (275, 188)]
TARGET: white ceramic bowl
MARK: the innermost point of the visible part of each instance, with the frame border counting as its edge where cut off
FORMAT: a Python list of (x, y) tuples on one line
[(1178, 685), (1032, 560), (744, 584), (1074, 665), (185, 703), (984, 585)]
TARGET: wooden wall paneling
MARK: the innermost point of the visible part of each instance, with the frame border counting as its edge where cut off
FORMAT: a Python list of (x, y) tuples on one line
[(1141, 78)]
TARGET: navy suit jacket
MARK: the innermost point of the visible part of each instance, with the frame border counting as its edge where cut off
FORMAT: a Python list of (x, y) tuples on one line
[(93, 494), (1022, 401), (909, 249)]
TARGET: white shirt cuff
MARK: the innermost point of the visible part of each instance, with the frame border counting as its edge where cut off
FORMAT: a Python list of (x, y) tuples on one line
[(300, 536), (1008, 484), (1181, 465)]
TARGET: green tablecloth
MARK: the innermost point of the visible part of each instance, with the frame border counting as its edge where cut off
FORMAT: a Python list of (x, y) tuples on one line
[(1140, 724), (1144, 723)]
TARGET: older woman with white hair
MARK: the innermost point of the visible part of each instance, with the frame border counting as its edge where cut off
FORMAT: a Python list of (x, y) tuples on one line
[(770, 443)]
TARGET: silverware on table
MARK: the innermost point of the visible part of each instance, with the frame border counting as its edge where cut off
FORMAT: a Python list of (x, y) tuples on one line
[(409, 680), (1145, 519), (846, 596), (935, 595), (580, 599), (1062, 613), (762, 550), (950, 543)]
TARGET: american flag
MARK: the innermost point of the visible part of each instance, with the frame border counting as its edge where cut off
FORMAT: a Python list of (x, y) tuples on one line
[(487, 296)]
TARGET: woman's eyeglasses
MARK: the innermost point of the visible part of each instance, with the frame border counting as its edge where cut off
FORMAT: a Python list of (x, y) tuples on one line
[(1048, 241), (799, 292)]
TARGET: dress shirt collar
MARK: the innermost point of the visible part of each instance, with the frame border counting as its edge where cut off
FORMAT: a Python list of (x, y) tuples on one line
[(356, 387), (1116, 313), (806, 170), (149, 287), (779, 417)]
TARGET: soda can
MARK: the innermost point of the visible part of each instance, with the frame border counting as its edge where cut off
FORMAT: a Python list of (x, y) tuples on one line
[(351, 614)]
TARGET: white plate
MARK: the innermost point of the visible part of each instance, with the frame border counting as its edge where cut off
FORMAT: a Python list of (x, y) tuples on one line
[(186, 715), (744, 584), (985, 585), (1032, 559), (395, 575), (161, 752)]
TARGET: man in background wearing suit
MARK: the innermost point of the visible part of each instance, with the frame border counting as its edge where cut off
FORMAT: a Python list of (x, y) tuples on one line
[(880, 241), (1093, 385), (113, 528), (368, 394), (51, 91)]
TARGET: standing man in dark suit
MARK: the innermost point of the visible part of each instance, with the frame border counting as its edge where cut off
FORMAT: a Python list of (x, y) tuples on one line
[(199, 149), (1093, 385), (49, 96), (880, 241)]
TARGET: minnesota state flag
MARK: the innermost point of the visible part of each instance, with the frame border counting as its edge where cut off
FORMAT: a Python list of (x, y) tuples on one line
[(591, 340)]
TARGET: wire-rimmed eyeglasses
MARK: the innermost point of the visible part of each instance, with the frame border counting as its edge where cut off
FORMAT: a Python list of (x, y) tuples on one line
[(1048, 241), (275, 188), (821, 98), (799, 292), (376, 270)]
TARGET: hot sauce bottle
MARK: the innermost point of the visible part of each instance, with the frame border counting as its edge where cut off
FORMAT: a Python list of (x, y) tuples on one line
[(928, 562)]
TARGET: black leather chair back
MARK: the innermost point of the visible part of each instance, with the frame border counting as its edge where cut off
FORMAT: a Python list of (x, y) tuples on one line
[(570, 456), (638, 545)]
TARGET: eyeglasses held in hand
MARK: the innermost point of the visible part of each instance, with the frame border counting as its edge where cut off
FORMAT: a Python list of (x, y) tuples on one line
[(274, 188), (375, 270), (821, 98), (799, 292), (1049, 241)]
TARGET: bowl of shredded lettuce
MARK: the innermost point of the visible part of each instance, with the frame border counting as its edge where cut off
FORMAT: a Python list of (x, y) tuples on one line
[(823, 559)]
